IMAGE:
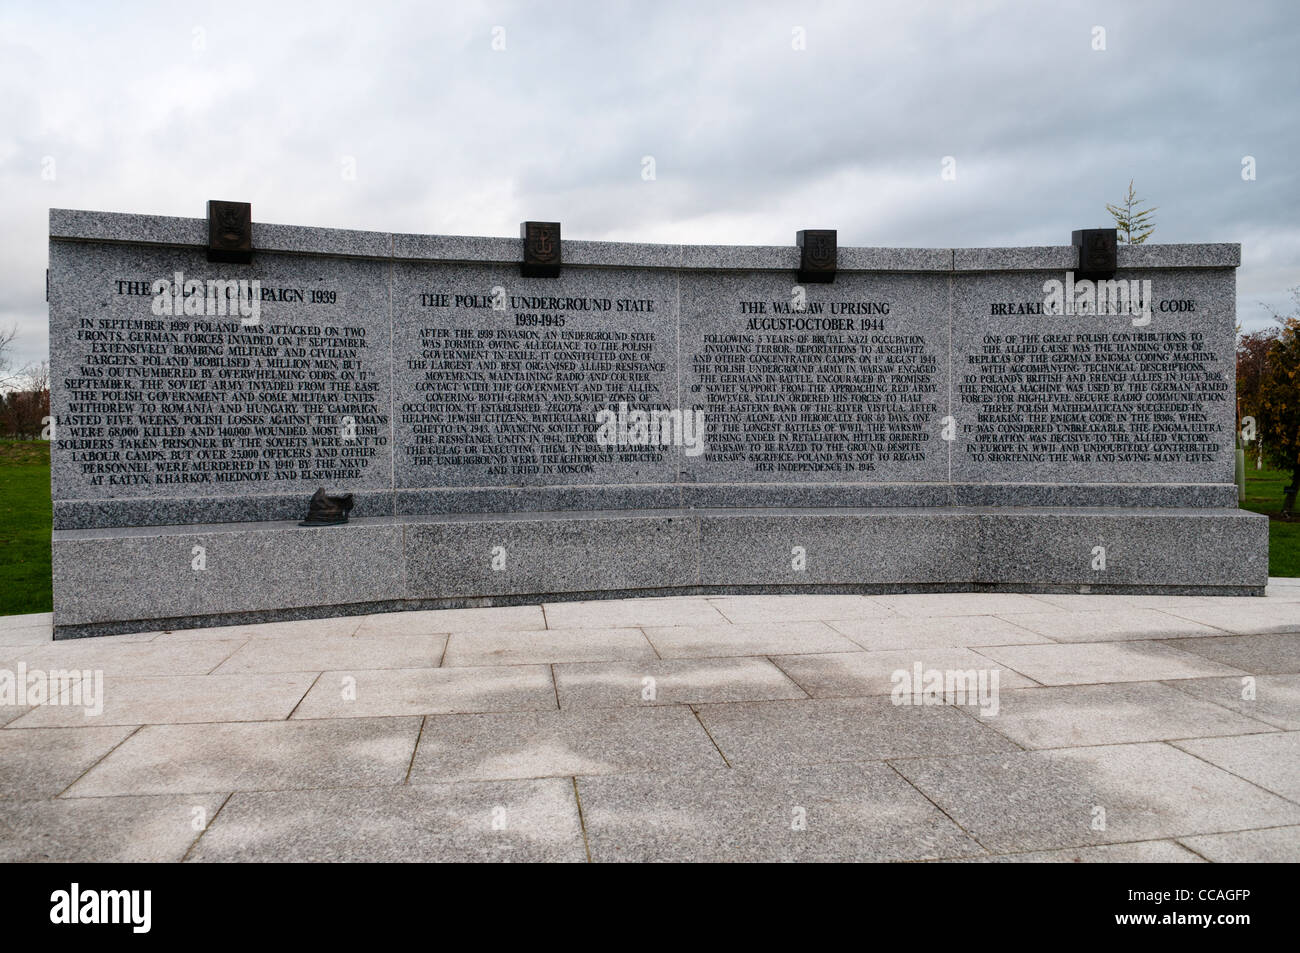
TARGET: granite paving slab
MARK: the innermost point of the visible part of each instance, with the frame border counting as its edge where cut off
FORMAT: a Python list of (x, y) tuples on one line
[(312, 629), (1272, 699), (125, 658), (318, 654), (846, 674), (1244, 617), (498, 647), (773, 638), (1274, 845), (561, 743), (1074, 715), (104, 830), (671, 682), (1072, 797), (10, 713), (618, 613), (876, 635), (517, 821), (1276, 594), (1272, 761), (798, 608), (774, 733), (31, 635), (316, 726), (178, 699), (1086, 663), (26, 620), (923, 605), (841, 812), (1110, 625), (41, 762), (1114, 602), (1277, 654), (429, 691), (1141, 852), (100, 640), (254, 756), (486, 619)]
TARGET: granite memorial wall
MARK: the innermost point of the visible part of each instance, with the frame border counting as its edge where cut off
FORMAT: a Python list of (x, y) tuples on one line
[(625, 419)]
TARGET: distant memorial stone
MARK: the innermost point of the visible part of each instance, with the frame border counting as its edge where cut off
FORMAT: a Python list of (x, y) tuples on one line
[(509, 420)]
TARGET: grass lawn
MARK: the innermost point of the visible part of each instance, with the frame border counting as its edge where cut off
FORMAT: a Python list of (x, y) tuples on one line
[(1264, 495), (25, 520)]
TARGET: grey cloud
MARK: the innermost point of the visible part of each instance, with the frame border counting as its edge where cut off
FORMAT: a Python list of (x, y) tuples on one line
[(751, 138)]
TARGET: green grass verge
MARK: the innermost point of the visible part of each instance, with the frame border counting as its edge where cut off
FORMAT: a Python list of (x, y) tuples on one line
[(25, 520), (1264, 495)]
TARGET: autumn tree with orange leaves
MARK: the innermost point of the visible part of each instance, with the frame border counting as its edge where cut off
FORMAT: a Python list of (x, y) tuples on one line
[(1268, 374)]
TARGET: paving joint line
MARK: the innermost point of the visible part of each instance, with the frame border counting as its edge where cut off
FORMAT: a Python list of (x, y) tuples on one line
[(988, 727), (645, 635), (295, 708), (1229, 771), (129, 735), (1214, 701), (696, 712), (772, 660), (206, 827), (582, 818), (984, 847), (419, 735)]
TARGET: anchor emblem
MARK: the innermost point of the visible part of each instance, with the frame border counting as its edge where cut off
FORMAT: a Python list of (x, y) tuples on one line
[(821, 252), (543, 244)]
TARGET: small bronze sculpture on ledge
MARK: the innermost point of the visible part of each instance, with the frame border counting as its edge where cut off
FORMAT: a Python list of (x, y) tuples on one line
[(325, 510)]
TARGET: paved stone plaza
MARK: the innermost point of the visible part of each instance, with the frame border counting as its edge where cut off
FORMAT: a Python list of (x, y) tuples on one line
[(691, 728)]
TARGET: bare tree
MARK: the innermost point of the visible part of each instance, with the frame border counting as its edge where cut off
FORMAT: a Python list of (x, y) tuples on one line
[(25, 407), (8, 372)]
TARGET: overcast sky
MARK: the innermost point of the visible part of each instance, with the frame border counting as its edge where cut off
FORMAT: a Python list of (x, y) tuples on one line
[(155, 108)]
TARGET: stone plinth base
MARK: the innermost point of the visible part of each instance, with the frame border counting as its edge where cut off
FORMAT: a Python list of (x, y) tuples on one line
[(111, 581)]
